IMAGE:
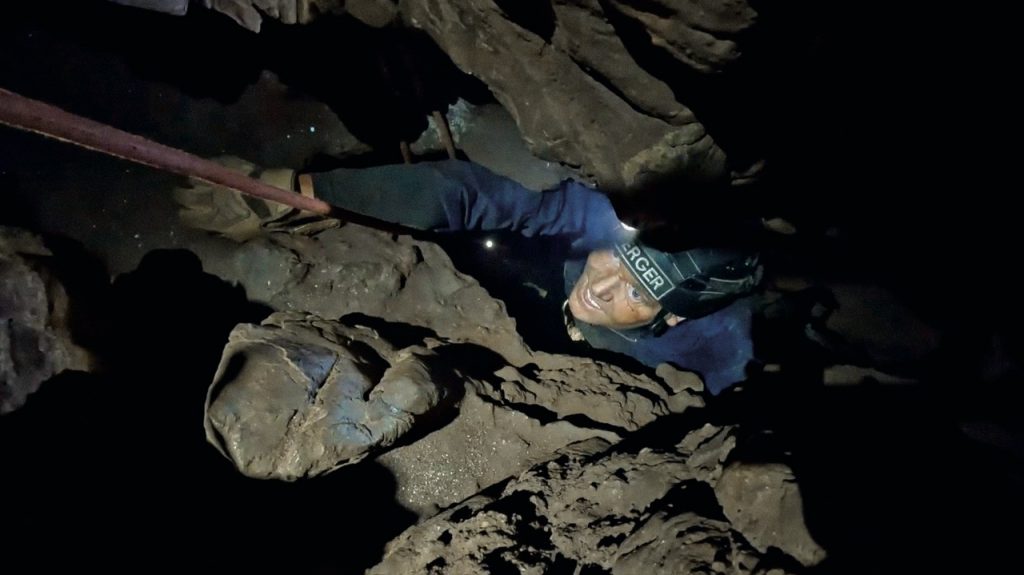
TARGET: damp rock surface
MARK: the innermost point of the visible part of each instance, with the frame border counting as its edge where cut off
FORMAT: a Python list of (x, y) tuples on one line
[(296, 396), (515, 418), (763, 501), (513, 406), (35, 337), (574, 89), (592, 511)]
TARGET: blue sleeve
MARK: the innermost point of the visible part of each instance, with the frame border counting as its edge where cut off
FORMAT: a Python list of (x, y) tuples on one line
[(718, 346), (455, 196)]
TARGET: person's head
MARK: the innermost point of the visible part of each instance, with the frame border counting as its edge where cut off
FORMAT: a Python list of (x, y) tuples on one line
[(608, 294), (634, 285)]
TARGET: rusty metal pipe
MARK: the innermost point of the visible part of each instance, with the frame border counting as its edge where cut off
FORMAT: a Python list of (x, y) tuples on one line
[(41, 118)]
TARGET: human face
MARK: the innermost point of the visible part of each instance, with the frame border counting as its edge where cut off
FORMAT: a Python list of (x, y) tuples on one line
[(608, 295)]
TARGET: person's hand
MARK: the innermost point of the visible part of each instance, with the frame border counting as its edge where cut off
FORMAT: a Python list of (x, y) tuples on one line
[(239, 216)]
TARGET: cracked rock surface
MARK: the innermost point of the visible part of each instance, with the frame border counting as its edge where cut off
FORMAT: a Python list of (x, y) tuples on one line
[(593, 85), (590, 510), (35, 335), (270, 407), (297, 396)]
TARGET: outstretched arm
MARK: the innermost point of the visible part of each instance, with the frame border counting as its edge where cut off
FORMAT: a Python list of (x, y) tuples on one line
[(455, 195)]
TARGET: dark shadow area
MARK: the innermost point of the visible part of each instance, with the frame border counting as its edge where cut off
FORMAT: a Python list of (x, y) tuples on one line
[(16, 209), (853, 108), (537, 16), (87, 284), (786, 333), (471, 359), (889, 482), (115, 466), (691, 495), (382, 83), (50, 48), (728, 103), (525, 273), (398, 334), (708, 214)]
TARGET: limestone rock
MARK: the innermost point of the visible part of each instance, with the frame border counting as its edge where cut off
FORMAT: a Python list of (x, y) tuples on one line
[(298, 396), (565, 112), (376, 13), (699, 33), (175, 7), (617, 512), (762, 501), (486, 443), (585, 33), (517, 418), (603, 393), (357, 270), (35, 338), (250, 13)]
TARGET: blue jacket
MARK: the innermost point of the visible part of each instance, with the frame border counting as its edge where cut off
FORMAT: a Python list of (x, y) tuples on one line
[(453, 196)]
